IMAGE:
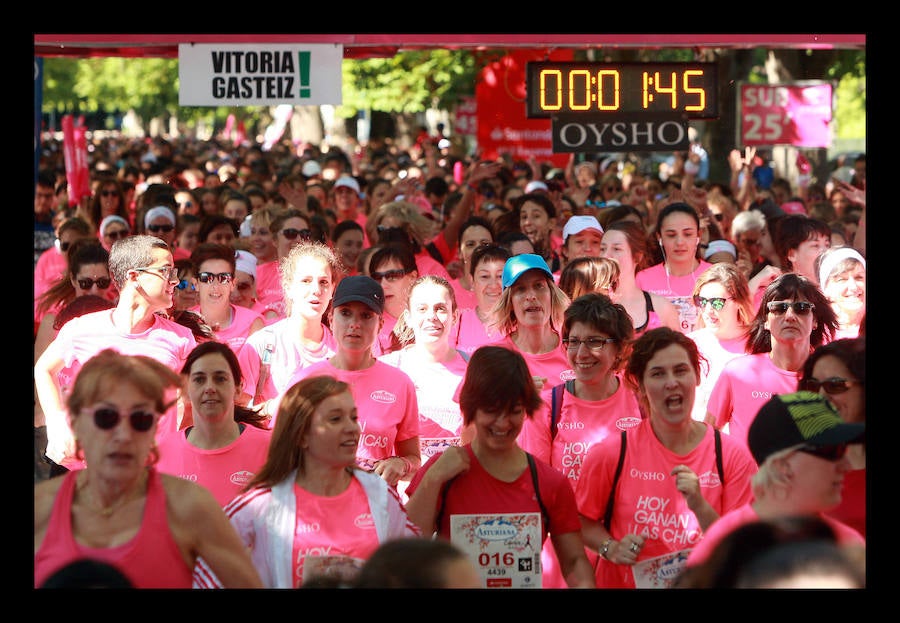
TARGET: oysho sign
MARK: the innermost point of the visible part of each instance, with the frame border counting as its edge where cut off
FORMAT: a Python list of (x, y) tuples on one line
[(575, 133), (259, 75)]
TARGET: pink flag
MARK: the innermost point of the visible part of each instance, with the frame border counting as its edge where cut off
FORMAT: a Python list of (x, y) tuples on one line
[(75, 152)]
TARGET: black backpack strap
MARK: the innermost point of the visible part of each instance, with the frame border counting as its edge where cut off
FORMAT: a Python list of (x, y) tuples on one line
[(556, 398), (719, 465), (434, 253), (537, 491), (607, 516)]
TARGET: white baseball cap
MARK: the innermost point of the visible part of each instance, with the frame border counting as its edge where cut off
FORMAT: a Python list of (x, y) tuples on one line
[(347, 182), (579, 223)]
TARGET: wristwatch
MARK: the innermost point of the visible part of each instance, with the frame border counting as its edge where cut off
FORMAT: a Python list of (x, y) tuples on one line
[(604, 548)]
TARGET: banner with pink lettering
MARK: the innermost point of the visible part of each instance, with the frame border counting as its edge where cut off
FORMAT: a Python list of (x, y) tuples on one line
[(798, 114), (75, 152)]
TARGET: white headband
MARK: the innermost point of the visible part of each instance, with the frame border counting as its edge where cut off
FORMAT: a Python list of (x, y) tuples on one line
[(157, 212), (834, 258)]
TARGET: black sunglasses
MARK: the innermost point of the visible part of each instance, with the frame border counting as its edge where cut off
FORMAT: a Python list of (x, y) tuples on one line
[(206, 277), (716, 302), (834, 385), (109, 193), (390, 275), (829, 453), (87, 284), (118, 234), (291, 234), (801, 308), (158, 228), (243, 285), (107, 418)]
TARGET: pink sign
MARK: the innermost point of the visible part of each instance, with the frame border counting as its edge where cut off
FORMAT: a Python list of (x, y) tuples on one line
[(797, 114)]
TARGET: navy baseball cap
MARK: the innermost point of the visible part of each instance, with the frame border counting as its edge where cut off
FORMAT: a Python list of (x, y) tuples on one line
[(360, 288)]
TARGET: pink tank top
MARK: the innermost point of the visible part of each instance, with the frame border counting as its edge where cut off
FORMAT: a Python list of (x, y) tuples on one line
[(150, 560)]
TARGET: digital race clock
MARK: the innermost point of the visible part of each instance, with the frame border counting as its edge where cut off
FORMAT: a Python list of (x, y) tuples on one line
[(587, 88)]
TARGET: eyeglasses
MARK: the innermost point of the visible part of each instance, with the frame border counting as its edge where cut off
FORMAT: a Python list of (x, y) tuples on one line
[(801, 308), (117, 234), (390, 275), (109, 193), (107, 418), (829, 453), (205, 277), (833, 385), (184, 283), (243, 285), (87, 284), (158, 228), (166, 272), (716, 302), (594, 344), (291, 234)]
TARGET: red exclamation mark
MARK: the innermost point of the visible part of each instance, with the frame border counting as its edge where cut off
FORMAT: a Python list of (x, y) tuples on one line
[(304, 74)]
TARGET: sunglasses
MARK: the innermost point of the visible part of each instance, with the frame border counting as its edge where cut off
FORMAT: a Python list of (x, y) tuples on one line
[(594, 344), (390, 275), (64, 246), (87, 284), (166, 272), (834, 385), (205, 277), (243, 285), (109, 193), (158, 228), (107, 418), (715, 302), (801, 308), (184, 283), (291, 234), (117, 234), (613, 189), (829, 453)]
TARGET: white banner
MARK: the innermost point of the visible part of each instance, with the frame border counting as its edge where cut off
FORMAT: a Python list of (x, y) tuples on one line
[(259, 75)]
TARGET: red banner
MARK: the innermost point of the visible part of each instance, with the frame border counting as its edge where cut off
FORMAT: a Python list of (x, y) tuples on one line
[(502, 125), (75, 152)]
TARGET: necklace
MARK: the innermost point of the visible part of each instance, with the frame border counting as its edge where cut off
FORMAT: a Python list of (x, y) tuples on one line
[(107, 511)]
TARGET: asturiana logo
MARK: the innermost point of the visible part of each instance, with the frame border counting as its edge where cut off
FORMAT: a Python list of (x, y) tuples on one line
[(496, 530), (624, 423), (710, 479), (241, 478), (383, 397)]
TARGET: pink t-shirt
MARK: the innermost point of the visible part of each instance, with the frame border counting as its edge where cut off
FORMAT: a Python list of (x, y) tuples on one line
[(224, 471), (427, 265), (333, 535), (471, 332), (465, 299), (50, 265), (166, 341), (274, 353), (151, 559), (745, 384), (647, 501), (440, 420), (236, 333), (679, 290), (269, 294), (386, 400), (717, 353), (581, 424), (384, 342), (746, 514)]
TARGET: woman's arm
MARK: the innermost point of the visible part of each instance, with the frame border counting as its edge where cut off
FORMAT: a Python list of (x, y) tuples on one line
[(573, 562)]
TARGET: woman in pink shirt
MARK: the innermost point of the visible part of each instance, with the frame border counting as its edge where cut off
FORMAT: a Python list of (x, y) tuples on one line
[(529, 315), (310, 511), (793, 319), (474, 328), (678, 235), (473, 233), (394, 267), (226, 444), (842, 277), (120, 509), (595, 404), (626, 243), (231, 324), (726, 308), (646, 495), (288, 228)]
